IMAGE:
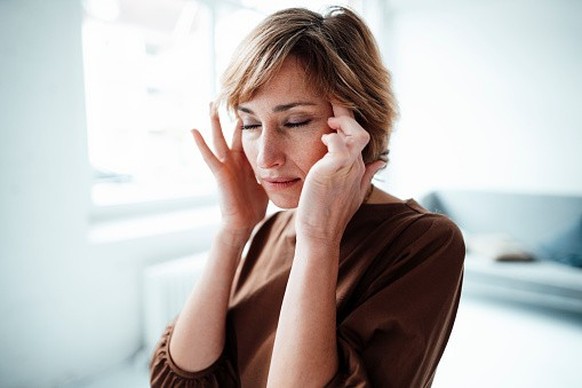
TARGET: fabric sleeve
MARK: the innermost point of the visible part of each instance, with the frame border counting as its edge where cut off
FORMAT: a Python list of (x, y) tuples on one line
[(165, 373), (397, 331)]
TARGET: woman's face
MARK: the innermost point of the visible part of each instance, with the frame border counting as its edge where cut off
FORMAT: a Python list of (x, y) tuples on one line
[(282, 128)]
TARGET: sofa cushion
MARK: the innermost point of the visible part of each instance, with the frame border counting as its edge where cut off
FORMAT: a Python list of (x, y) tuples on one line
[(566, 246), (497, 246)]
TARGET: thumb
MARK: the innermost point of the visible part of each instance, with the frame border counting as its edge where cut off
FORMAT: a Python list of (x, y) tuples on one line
[(371, 170)]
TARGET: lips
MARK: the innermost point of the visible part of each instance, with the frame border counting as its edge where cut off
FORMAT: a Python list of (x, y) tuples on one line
[(279, 182)]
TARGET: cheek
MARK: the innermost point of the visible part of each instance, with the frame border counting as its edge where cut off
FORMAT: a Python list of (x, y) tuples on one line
[(309, 152), (250, 151)]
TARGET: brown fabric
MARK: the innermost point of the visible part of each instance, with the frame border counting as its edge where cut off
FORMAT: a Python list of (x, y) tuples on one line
[(398, 290), (165, 373)]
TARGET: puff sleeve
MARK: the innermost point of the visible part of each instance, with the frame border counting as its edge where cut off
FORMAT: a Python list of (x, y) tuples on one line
[(165, 373)]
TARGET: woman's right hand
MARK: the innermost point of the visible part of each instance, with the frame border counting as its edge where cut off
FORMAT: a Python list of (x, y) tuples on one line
[(243, 202)]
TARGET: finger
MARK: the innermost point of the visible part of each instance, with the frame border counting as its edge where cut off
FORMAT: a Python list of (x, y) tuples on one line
[(344, 121), (217, 136), (237, 136), (348, 125), (209, 158), (339, 110), (336, 145), (351, 130)]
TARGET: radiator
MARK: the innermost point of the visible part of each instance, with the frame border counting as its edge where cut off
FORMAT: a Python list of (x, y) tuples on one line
[(166, 286)]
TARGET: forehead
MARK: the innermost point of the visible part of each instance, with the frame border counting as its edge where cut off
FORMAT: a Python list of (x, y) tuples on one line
[(290, 82)]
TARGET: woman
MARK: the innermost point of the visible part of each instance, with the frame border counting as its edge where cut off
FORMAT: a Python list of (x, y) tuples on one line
[(350, 286)]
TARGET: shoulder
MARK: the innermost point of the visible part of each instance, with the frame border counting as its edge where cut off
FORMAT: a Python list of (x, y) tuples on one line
[(421, 246), (409, 230), (413, 216), (435, 224), (435, 232), (433, 242)]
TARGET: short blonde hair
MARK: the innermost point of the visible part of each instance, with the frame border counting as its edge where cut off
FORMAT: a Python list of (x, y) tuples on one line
[(340, 57)]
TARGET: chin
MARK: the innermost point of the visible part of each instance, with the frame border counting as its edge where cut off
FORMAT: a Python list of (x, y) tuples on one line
[(284, 203)]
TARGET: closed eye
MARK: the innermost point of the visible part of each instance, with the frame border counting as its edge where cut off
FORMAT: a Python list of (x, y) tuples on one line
[(297, 124), (246, 127)]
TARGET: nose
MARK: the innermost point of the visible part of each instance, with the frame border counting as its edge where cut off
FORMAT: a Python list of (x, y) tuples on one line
[(271, 151)]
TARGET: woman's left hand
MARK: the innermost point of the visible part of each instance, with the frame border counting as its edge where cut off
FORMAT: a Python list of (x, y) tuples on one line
[(336, 184)]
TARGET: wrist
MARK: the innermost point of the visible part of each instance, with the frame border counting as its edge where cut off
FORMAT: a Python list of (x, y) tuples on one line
[(317, 238), (236, 237), (319, 230), (315, 247)]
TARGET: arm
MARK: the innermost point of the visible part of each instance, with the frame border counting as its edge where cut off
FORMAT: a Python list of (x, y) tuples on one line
[(395, 327), (305, 349), (199, 333), (305, 345)]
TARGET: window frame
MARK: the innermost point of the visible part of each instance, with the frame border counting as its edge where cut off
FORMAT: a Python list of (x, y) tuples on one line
[(102, 214)]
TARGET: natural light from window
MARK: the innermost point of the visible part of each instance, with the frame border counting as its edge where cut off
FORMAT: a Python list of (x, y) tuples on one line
[(151, 69)]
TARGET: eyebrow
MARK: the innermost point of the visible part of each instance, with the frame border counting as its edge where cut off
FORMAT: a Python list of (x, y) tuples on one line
[(278, 108)]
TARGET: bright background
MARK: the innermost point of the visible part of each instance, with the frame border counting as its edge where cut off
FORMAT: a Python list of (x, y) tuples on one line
[(99, 177)]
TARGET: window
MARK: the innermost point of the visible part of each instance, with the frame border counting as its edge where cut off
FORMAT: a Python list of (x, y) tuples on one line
[(151, 68)]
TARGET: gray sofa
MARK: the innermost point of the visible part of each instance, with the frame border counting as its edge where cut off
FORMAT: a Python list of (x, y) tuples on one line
[(524, 248)]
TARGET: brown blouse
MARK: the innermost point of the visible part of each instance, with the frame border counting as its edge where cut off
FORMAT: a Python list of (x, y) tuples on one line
[(398, 289)]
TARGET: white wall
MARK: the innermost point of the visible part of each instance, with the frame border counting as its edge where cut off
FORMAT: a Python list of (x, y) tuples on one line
[(48, 327), (68, 308), (489, 93)]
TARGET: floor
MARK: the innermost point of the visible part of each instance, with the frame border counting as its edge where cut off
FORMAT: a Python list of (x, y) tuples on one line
[(500, 345), (493, 345)]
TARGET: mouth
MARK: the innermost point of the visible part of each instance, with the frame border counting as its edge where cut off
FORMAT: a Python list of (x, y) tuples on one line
[(279, 183)]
